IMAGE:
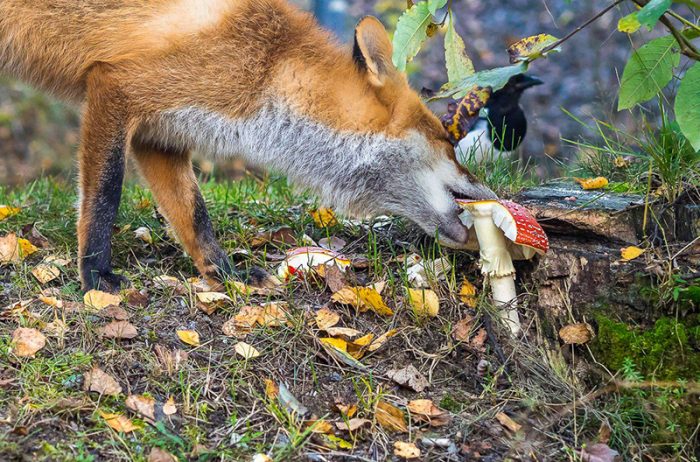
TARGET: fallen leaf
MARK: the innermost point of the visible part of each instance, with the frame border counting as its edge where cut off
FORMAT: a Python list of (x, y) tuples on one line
[(119, 422), (45, 273), (592, 183), (364, 299), (272, 390), (337, 343), (338, 350), (137, 298), (189, 337), (143, 405), (209, 302), (381, 340), (353, 425), (14, 249), (390, 417), (332, 243), (576, 334), (247, 317), (246, 351), (114, 312), (101, 382), (273, 315), (144, 234), (463, 329), (631, 253), (170, 408), (98, 300), (598, 453), (56, 328), (27, 342), (169, 282), (409, 377), (508, 423), (6, 211), (424, 272), (325, 318), (160, 455), (324, 217), (424, 302), (364, 340), (468, 294), (426, 411), (170, 360), (406, 450), (348, 411), (283, 235), (118, 330), (335, 442), (262, 458), (344, 332), (479, 340), (335, 278), (320, 427), (50, 301)]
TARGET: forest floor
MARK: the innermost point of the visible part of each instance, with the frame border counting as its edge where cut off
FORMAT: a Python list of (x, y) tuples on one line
[(271, 374)]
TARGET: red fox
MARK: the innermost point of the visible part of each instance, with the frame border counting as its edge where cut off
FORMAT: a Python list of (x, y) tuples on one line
[(256, 78)]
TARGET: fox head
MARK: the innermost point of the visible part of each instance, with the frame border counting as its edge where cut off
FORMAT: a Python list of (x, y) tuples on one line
[(425, 176)]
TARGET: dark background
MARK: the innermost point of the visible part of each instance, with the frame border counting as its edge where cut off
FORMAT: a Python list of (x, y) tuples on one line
[(39, 136)]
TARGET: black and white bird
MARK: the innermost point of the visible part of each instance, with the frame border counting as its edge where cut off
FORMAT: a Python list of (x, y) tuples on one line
[(502, 126)]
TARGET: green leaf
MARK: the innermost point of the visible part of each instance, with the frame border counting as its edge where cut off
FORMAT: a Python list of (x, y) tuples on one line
[(434, 5), (652, 12), (688, 105), (411, 32), (459, 66), (491, 78), (648, 71)]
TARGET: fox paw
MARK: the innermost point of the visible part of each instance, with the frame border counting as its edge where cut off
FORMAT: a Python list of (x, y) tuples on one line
[(258, 277), (106, 282)]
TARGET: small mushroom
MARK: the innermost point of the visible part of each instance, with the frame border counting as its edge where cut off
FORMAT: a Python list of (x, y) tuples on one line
[(505, 230)]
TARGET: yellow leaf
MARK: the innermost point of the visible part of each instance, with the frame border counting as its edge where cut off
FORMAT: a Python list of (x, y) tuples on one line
[(51, 301), (531, 48), (45, 273), (391, 418), (425, 302), (630, 253), (99, 300), (324, 217), (381, 340), (320, 426), (119, 422), (406, 450), (211, 301), (326, 318), (189, 337), (592, 183), (27, 247), (468, 294), (273, 315), (6, 211), (336, 442), (629, 24), (363, 298), (27, 342), (364, 341), (462, 114), (507, 422), (14, 249), (246, 351), (425, 410), (337, 343), (272, 390)]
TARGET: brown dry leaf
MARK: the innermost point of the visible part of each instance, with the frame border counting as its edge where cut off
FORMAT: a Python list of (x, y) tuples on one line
[(324, 217), (406, 450), (159, 455), (143, 405), (283, 235), (51, 301), (98, 300), (6, 211), (381, 340), (631, 253), (344, 332), (531, 48), (463, 328), (425, 302), (246, 351), (170, 408), (576, 334), (118, 330), (273, 315), (247, 318), (335, 278), (189, 337), (45, 273), (468, 294), (119, 422), (353, 425), (114, 312), (27, 342), (209, 302), (479, 340), (391, 418), (326, 318), (598, 453), (363, 298), (508, 423), (333, 243), (272, 390), (409, 377), (56, 328), (14, 249), (425, 410), (136, 298), (168, 282), (320, 427), (592, 183), (348, 411), (170, 360), (101, 382)]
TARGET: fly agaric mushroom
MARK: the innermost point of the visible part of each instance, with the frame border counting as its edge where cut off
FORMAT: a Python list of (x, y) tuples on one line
[(494, 221)]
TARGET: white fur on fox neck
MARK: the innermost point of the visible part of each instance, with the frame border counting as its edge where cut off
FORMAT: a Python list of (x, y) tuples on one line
[(310, 153)]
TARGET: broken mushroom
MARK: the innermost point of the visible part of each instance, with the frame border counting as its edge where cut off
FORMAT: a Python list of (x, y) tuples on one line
[(505, 231)]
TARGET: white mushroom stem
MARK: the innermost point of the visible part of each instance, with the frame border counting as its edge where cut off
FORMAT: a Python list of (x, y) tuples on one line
[(497, 265)]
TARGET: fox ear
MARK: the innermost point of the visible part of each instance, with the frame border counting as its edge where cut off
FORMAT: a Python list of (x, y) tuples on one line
[(372, 51)]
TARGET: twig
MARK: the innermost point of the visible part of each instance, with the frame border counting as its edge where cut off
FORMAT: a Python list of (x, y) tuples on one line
[(687, 48)]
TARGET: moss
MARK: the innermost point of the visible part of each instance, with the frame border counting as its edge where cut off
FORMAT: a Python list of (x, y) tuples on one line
[(664, 351), (450, 403)]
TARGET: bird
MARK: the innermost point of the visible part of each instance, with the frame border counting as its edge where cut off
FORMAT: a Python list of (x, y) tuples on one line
[(502, 126)]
